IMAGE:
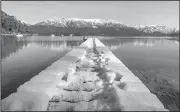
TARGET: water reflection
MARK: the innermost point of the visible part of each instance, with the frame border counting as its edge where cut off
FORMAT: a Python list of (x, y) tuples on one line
[(118, 43), (159, 55), (58, 45), (10, 45), (24, 59), (140, 43)]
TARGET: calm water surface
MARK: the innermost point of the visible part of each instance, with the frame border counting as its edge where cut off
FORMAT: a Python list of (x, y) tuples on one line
[(22, 60), (158, 55), (155, 62)]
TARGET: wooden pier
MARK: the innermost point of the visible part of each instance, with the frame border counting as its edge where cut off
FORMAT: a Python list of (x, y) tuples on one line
[(89, 78)]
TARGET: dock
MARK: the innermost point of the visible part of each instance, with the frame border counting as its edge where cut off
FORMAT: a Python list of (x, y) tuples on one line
[(88, 78)]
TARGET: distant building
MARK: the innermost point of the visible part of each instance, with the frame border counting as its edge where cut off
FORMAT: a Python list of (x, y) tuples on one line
[(19, 35), (35, 34), (71, 35)]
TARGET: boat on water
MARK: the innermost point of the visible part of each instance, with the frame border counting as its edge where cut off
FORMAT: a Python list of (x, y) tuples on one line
[(19, 35)]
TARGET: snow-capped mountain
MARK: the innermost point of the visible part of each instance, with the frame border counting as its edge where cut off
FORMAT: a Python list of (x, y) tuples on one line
[(154, 28), (77, 27), (24, 22), (78, 23), (100, 23)]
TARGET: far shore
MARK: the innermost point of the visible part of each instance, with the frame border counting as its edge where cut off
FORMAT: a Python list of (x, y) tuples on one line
[(100, 37), (8, 34)]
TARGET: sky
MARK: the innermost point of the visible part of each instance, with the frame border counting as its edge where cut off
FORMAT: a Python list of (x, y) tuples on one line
[(165, 13)]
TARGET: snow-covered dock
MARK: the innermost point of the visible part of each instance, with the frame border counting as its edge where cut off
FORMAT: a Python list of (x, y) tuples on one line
[(89, 78)]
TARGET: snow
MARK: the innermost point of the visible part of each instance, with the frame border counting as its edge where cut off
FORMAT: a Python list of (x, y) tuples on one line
[(63, 22), (25, 101), (139, 26), (133, 87), (113, 21), (141, 98), (48, 88), (24, 22), (130, 78), (74, 96), (152, 25)]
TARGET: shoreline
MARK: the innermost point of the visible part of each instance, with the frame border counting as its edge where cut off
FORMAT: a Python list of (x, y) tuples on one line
[(97, 36)]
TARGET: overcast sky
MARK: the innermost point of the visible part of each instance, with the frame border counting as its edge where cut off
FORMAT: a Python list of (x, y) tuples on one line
[(164, 13)]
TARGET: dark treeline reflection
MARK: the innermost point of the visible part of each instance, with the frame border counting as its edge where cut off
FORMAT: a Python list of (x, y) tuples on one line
[(11, 45), (57, 44)]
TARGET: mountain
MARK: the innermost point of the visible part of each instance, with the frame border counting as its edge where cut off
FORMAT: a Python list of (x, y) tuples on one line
[(154, 28), (10, 24), (79, 23), (77, 26), (25, 22)]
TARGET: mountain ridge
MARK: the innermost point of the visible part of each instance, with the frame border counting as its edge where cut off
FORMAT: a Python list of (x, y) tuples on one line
[(63, 22), (116, 28), (77, 26)]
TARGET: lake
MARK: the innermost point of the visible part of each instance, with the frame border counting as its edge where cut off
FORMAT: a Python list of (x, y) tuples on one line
[(155, 61)]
